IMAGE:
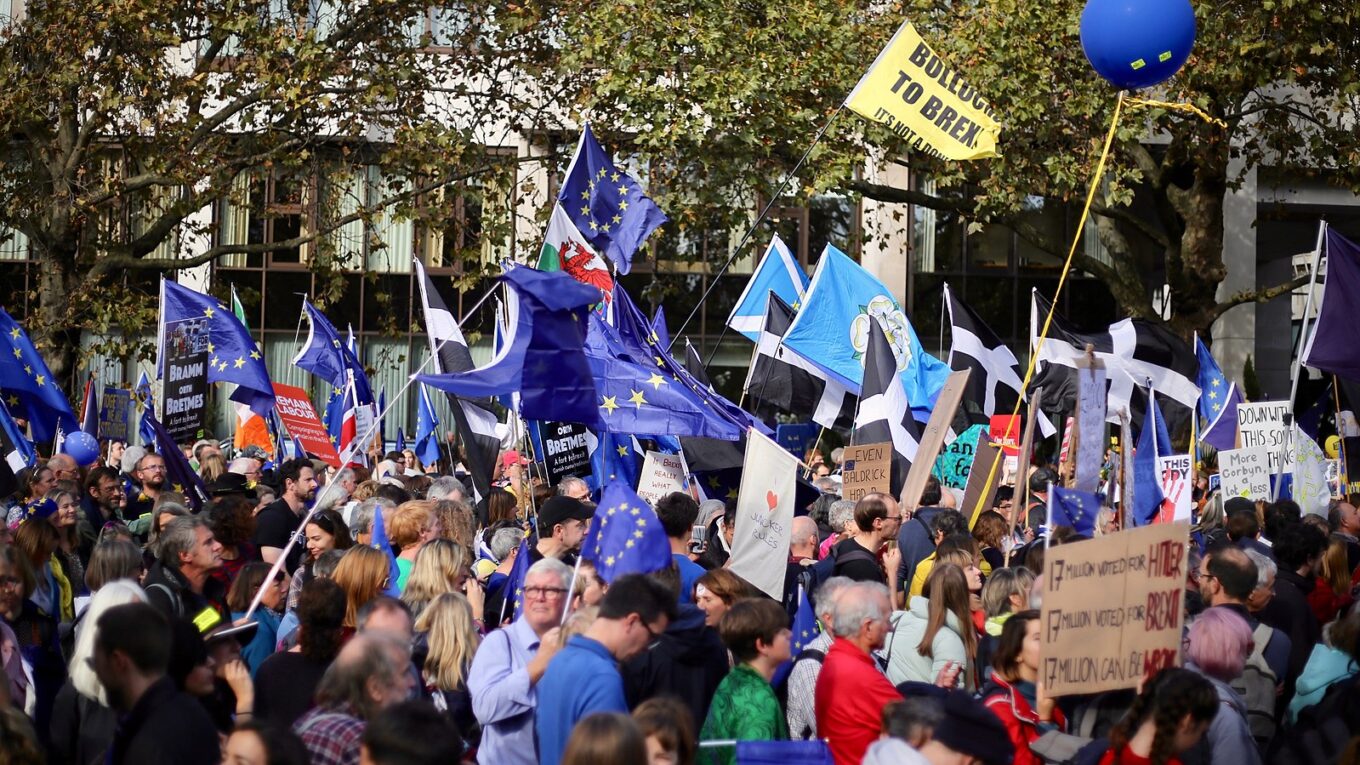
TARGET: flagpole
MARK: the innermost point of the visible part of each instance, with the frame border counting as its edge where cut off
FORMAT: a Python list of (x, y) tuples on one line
[(713, 280), (1297, 371), (1340, 438), (345, 459)]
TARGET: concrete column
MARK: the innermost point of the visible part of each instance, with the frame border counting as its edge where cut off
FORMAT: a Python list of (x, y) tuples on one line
[(1234, 333), (886, 248)]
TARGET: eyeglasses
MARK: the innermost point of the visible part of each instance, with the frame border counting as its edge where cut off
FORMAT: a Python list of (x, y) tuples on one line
[(544, 593), (10, 581), (153, 469)]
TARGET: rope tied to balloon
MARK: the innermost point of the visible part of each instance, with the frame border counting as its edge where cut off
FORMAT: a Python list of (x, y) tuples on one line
[(1132, 45)]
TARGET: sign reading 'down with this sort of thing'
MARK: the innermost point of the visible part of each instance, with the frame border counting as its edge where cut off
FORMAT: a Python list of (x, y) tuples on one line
[(1112, 609), (866, 468)]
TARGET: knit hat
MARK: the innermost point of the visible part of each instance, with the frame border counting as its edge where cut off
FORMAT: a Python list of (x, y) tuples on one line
[(131, 456), (40, 508), (970, 728)]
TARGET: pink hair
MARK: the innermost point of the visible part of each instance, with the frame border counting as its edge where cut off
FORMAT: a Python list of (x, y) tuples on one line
[(1219, 643)]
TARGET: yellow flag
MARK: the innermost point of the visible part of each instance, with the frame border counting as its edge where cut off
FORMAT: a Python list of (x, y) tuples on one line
[(925, 100)]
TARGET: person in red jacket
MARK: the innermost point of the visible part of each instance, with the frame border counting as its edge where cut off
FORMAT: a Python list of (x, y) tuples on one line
[(1012, 691), (851, 689)]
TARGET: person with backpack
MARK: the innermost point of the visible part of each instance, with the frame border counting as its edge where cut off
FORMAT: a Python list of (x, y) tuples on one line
[(877, 517), (1012, 693), (1217, 647), (178, 584), (797, 690), (1170, 716)]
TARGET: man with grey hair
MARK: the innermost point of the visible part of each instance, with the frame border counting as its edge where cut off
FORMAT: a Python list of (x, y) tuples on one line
[(507, 667), (369, 675), (574, 487), (447, 487), (807, 665), (64, 468), (360, 521), (851, 689), (248, 467), (179, 583)]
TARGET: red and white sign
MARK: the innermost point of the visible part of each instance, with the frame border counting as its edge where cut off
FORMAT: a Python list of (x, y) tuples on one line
[(1174, 470), (1005, 432), (298, 416)]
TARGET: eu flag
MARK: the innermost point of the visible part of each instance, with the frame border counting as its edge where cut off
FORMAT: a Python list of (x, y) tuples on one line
[(148, 400), (614, 457), (625, 536), (1217, 402), (401, 440), (512, 592), (427, 429), (328, 357), (805, 628), (379, 540), (180, 476), (1069, 507), (234, 356), (28, 386), (606, 204)]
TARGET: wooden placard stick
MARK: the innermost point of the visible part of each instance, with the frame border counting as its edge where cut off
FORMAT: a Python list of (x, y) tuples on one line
[(1026, 445)]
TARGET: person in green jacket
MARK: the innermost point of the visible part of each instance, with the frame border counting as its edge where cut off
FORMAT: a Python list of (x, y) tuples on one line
[(744, 708)]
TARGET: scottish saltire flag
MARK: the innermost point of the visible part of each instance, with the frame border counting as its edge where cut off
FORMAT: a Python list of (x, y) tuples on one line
[(1331, 347), (89, 408), (233, 355), (613, 457), (1218, 401), (427, 429), (778, 272), (148, 400), (325, 355), (565, 248), (379, 540), (512, 593), (1069, 507), (1153, 442), (27, 384), (831, 330), (625, 537), (606, 204), (180, 476), (543, 358)]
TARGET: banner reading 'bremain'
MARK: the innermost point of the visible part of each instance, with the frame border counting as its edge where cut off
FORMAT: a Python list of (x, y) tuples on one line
[(925, 101)]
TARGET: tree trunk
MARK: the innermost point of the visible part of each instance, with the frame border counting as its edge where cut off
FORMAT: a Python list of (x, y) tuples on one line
[(52, 327)]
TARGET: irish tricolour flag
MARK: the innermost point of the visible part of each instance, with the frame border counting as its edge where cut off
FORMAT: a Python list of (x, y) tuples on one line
[(565, 249)]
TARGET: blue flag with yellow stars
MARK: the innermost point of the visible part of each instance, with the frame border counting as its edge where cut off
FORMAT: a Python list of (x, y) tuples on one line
[(1218, 401), (512, 593), (233, 355), (1069, 507), (606, 204), (325, 355), (28, 387), (805, 629), (180, 476), (614, 458), (427, 429), (625, 536)]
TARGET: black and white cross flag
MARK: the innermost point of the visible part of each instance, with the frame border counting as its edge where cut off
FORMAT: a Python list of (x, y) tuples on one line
[(785, 380), (995, 383), (884, 411), (474, 421), (1136, 353), (695, 365)]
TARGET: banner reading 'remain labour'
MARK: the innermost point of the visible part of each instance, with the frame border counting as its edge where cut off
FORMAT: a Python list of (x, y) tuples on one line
[(1245, 473), (298, 416), (1112, 609), (865, 469), (925, 101), (1262, 424), (661, 475)]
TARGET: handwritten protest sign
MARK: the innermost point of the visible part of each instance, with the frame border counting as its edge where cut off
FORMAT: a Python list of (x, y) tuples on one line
[(298, 416), (956, 460), (1245, 473), (1174, 472), (1112, 609), (1262, 424), (764, 522), (661, 475), (114, 410), (866, 468), (1091, 402)]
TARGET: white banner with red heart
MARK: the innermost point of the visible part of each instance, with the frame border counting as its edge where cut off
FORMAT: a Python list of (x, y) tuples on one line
[(765, 504)]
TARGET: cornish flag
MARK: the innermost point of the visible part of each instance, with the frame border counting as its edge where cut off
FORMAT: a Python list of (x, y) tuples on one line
[(994, 384), (884, 411), (1137, 354), (783, 379), (566, 249)]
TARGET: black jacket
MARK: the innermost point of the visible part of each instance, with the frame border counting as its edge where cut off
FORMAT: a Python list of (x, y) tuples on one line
[(687, 661), (168, 590), (165, 726), (81, 730)]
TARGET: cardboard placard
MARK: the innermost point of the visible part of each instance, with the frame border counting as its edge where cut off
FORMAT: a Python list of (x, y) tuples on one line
[(796, 438), (955, 462), (932, 438), (865, 469), (1245, 473), (114, 410), (1112, 609), (1174, 471), (984, 461), (566, 450), (1262, 424), (295, 410), (1090, 418), (661, 475)]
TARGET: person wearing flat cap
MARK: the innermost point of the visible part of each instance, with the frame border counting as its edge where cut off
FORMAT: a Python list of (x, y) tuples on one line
[(968, 733), (562, 523)]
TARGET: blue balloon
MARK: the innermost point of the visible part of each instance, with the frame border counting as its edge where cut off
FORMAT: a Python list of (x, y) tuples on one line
[(82, 447), (1137, 43)]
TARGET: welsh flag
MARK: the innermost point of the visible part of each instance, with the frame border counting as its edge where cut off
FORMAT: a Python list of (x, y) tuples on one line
[(251, 429), (565, 249)]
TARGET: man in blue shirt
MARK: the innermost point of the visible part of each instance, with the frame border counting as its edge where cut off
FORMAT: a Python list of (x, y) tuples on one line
[(584, 678), (677, 512)]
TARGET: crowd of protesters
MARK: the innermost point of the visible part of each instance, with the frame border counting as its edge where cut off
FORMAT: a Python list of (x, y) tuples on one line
[(136, 630)]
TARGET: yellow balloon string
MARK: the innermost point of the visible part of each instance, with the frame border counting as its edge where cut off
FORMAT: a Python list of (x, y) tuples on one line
[(1178, 107), (1053, 307)]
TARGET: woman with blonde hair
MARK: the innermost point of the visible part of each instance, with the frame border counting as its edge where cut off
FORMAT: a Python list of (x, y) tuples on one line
[(456, 522), (82, 720), (362, 574), (413, 525), (441, 567), (936, 632), (212, 467), (445, 629), (1331, 593)]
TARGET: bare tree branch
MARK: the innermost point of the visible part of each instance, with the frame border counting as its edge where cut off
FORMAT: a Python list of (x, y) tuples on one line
[(1261, 295)]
